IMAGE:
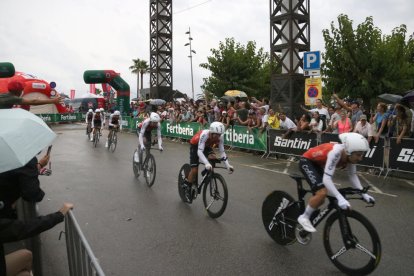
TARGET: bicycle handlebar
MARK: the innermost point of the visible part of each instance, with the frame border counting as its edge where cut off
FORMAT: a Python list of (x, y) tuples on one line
[(347, 192)]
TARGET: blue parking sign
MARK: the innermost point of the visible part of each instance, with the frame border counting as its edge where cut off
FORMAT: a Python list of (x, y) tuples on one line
[(312, 60)]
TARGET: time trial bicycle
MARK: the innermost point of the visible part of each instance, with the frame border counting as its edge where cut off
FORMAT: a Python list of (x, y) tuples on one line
[(350, 240), (96, 136), (148, 167), (213, 185), (89, 130), (113, 139)]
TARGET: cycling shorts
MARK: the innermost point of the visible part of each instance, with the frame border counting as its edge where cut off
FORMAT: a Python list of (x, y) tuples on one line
[(194, 159), (313, 173)]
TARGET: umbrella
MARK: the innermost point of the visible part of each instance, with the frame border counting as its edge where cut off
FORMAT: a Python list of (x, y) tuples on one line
[(408, 99), (228, 99), (390, 98), (236, 93), (157, 101), (22, 136)]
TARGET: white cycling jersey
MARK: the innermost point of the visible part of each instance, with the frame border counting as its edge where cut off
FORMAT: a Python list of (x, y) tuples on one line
[(145, 127), (111, 117)]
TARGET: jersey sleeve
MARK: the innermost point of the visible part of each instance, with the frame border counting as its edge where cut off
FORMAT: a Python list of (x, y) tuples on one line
[(334, 156), (201, 146)]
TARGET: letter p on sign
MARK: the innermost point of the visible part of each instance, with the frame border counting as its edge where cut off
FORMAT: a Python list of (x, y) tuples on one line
[(312, 60)]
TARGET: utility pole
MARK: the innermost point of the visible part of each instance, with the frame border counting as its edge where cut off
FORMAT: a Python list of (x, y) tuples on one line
[(191, 59)]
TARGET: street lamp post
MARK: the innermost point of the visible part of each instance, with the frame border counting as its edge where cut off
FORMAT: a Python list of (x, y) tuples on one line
[(191, 59)]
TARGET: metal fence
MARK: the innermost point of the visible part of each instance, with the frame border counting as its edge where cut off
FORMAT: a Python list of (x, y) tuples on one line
[(81, 259)]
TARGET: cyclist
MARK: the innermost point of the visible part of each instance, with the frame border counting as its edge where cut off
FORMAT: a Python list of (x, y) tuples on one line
[(103, 114), (201, 146), (88, 119), (97, 122), (145, 128), (318, 166), (114, 124)]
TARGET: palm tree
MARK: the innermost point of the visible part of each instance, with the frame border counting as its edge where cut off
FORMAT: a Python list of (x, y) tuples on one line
[(140, 68)]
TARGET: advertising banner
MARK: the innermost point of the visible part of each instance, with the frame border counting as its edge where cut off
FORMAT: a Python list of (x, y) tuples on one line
[(180, 130), (47, 118), (402, 155), (329, 137), (375, 156), (297, 143), (241, 137)]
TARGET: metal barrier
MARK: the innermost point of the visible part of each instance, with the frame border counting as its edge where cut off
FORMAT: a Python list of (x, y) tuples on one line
[(81, 259)]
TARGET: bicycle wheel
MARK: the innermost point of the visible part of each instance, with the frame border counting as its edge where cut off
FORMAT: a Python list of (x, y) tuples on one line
[(182, 175), (150, 170), (109, 141), (279, 216), (114, 141), (135, 166), (96, 138), (215, 196), (364, 251)]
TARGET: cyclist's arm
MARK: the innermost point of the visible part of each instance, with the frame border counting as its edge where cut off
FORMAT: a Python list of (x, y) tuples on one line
[(86, 119), (353, 177), (333, 158), (201, 147), (159, 135)]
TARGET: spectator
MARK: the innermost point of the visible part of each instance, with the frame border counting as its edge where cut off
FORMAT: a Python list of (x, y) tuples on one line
[(364, 128), (323, 112), (380, 119), (401, 123), (7, 100), (273, 119), (344, 125), (225, 119), (242, 112), (286, 124), (230, 110), (11, 230), (316, 124), (332, 126), (304, 123), (354, 109)]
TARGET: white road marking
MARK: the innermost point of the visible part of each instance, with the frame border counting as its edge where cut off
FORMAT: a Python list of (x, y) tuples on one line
[(409, 182)]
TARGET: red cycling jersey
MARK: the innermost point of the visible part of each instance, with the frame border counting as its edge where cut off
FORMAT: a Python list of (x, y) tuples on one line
[(319, 154), (209, 142)]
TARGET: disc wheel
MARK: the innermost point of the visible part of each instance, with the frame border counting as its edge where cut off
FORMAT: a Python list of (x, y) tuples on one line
[(363, 253), (114, 141), (215, 196), (279, 216), (182, 175)]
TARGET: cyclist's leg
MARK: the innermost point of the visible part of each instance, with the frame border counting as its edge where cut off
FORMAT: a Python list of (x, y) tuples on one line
[(313, 174), (193, 163)]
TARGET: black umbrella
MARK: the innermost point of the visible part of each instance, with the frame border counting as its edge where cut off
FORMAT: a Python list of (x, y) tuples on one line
[(228, 99), (390, 98), (408, 99)]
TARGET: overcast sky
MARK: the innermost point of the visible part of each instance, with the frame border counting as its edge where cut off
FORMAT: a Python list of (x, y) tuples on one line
[(58, 40)]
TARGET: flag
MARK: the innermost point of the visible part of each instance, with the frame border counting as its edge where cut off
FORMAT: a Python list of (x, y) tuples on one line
[(72, 94), (92, 88)]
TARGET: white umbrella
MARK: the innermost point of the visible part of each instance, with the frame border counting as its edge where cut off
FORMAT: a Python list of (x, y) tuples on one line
[(22, 136)]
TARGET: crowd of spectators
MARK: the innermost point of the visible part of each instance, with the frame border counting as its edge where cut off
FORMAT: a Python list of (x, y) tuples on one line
[(339, 117)]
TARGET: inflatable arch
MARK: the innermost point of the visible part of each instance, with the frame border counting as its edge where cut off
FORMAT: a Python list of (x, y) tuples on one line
[(33, 88), (113, 79)]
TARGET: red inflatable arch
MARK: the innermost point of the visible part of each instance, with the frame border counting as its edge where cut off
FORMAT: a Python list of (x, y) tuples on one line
[(34, 88)]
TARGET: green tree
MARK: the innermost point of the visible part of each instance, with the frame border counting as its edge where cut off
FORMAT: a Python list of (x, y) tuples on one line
[(362, 63), (237, 67), (139, 67)]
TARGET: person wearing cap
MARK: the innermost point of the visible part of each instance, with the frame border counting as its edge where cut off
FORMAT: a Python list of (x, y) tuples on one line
[(8, 100), (355, 109), (364, 128), (225, 119)]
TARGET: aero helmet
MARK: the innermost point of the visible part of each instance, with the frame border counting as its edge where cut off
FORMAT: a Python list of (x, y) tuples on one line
[(97, 110), (353, 142), (217, 127), (117, 113), (90, 110), (154, 117)]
